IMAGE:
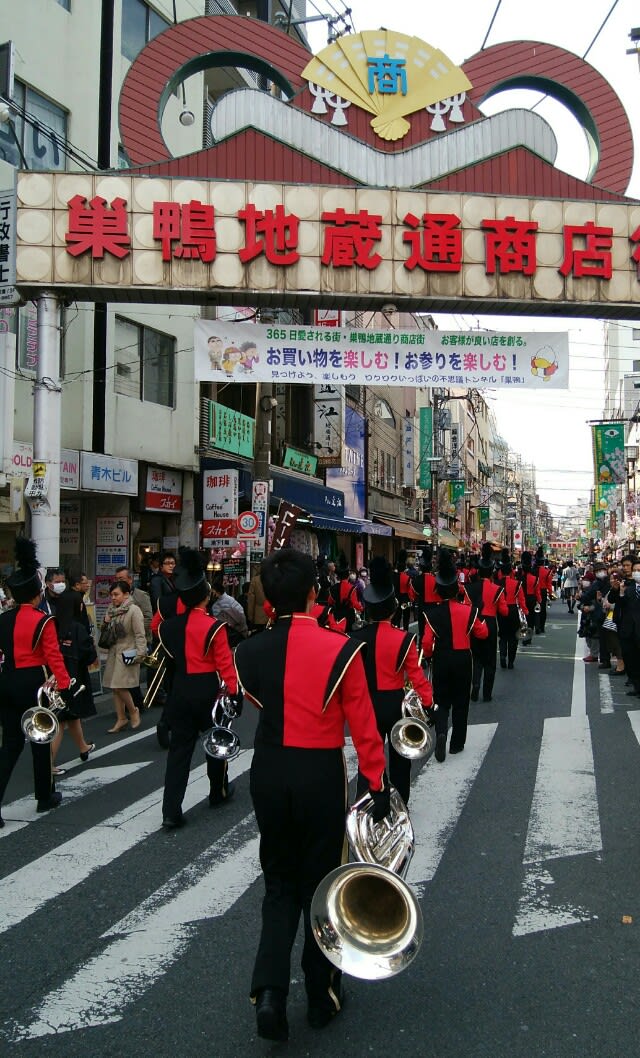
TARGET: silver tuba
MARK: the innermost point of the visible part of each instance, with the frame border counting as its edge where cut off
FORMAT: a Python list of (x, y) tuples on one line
[(220, 741), (523, 627), (40, 724), (365, 918), (413, 737)]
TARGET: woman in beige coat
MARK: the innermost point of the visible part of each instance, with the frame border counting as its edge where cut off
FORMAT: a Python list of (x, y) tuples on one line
[(121, 675)]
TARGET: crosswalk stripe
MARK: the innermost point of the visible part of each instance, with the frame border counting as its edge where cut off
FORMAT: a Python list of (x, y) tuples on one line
[(19, 814), (634, 720), (606, 697), (437, 798), (564, 821), (58, 871), (150, 939)]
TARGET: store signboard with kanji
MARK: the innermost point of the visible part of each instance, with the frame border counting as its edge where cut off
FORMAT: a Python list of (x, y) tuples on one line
[(220, 507), (112, 532), (116, 238), (408, 458), (302, 461), (163, 491), (328, 419), (8, 293), (229, 430), (103, 473)]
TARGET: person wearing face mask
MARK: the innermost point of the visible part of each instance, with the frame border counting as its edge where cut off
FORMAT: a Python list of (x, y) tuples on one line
[(592, 598), (55, 585)]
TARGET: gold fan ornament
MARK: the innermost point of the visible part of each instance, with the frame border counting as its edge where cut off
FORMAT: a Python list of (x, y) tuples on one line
[(388, 74)]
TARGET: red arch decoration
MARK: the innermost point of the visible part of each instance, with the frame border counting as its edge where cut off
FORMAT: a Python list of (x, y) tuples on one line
[(148, 76), (517, 62)]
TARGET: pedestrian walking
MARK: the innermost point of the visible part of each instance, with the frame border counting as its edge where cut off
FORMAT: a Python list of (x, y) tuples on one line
[(122, 635)]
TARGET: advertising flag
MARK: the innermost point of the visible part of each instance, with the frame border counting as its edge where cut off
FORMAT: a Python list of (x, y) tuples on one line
[(608, 453)]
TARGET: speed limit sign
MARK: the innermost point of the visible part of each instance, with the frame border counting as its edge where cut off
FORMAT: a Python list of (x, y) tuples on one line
[(249, 524)]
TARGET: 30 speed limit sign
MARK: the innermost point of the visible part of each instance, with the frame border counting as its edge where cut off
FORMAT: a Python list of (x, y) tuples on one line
[(250, 525)]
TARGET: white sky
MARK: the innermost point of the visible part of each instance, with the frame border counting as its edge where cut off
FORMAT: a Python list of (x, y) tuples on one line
[(549, 430)]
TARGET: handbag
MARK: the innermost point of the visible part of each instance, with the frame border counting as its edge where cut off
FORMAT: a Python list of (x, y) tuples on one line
[(609, 622), (110, 633)]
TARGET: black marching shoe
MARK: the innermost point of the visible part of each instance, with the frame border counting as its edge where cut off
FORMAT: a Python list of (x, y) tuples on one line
[(510, 665), (46, 803), (441, 748), (323, 1009), (503, 663), (170, 823), (271, 1014), (455, 749), (475, 694), (1, 822), (215, 800)]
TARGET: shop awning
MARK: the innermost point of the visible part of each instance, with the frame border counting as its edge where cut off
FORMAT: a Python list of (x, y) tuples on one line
[(447, 539), (406, 530), (348, 525)]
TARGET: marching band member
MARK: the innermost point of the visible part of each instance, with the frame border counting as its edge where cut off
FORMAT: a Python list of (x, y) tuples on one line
[(390, 659), (404, 591), (489, 600), (169, 605), (447, 640), (508, 626), (343, 598), (28, 645), (545, 582), (531, 588), (306, 682), (198, 647), (425, 587)]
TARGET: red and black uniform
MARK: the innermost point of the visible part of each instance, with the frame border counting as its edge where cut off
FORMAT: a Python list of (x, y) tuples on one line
[(391, 659), (425, 586), (29, 653), (324, 616), (508, 626), (447, 641), (307, 682), (199, 650), (545, 583), (532, 594), (406, 596), (489, 600), (345, 604), (168, 606)]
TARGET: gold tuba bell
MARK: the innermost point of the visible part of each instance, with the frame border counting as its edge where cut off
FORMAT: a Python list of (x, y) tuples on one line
[(413, 737), (365, 918), (40, 724)]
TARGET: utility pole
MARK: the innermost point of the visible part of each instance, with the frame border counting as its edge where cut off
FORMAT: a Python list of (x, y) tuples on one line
[(47, 434)]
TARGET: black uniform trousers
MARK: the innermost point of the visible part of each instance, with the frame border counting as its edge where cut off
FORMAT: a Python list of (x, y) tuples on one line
[(189, 717), (18, 692), (402, 616), (387, 706), (451, 677), (541, 618), (299, 798), (483, 652), (508, 636), (532, 602)]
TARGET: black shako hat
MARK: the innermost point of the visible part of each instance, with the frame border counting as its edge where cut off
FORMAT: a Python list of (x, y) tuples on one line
[(189, 578), (485, 564), (25, 582), (426, 559), (525, 560), (446, 576), (379, 594), (505, 560)]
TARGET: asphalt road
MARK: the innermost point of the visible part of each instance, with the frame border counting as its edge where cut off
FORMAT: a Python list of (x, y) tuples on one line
[(121, 939)]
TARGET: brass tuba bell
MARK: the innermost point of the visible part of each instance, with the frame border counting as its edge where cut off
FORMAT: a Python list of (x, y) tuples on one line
[(365, 918), (40, 724), (412, 736)]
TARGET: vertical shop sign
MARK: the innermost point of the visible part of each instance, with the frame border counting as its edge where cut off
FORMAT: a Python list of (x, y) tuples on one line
[(426, 446), (408, 458), (328, 418)]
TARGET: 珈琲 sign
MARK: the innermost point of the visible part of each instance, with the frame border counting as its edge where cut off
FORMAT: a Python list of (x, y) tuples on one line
[(97, 237)]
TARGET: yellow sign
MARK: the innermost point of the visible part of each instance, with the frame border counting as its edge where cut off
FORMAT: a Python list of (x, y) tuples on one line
[(39, 470), (388, 74)]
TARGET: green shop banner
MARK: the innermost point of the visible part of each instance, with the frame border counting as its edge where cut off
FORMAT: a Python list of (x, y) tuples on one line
[(456, 492), (230, 430), (483, 517), (608, 453), (606, 497), (426, 446)]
